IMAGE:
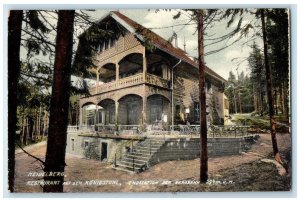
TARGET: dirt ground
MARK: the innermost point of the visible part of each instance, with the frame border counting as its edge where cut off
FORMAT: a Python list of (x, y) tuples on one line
[(244, 172)]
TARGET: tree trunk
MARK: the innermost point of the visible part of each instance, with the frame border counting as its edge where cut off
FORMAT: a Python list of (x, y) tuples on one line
[(23, 128), (34, 126), (235, 104), (202, 100), (276, 102), (27, 131), (282, 99), (56, 145), (286, 99), (254, 99), (240, 102), (269, 90), (44, 124), (14, 42)]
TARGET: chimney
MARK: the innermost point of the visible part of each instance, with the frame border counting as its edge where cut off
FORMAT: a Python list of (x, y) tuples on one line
[(174, 40)]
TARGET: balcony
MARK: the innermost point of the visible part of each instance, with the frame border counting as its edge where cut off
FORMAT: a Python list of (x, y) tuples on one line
[(133, 80)]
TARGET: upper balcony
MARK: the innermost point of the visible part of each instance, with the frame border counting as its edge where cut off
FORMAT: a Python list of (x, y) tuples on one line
[(129, 70), (129, 81)]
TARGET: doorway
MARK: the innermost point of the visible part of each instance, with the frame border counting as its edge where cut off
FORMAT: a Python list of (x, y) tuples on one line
[(132, 111), (103, 151)]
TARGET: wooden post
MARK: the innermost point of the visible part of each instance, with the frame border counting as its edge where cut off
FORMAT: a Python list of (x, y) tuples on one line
[(97, 73), (144, 64), (117, 72), (116, 115)]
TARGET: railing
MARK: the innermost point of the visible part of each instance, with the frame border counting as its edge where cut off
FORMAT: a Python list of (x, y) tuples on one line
[(156, 80), (88, 128), (130, 81), (130, 129), (107, 129), (73, 128), (213, 130), (113, 85), (228, 131)]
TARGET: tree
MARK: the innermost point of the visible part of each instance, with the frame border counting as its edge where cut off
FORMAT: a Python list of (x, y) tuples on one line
[(56, 144), (230, 92), (202, 99), (205, 19), (278, 22), (14, 41), (269, 88), (255, 61)]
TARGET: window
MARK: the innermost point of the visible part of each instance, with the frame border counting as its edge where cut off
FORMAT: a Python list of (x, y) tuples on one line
[(156, 69), (90, 116), (196, 112), (73, 144), (86, 144), (208, 87), (111, 114), (156, 110), (112, 42), (106, 44), (99, 116)]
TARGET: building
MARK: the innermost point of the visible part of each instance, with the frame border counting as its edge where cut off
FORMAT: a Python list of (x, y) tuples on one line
[(144, 85), (136, 85)]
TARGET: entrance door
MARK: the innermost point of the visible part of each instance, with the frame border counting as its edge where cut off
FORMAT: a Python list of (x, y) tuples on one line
[(132, 113), (156, 110), (103, 151)]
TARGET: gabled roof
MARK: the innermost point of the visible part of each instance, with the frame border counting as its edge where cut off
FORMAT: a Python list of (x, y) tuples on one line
[(160, 42)]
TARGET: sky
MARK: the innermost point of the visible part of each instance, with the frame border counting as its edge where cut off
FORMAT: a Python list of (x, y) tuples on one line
[(163, 24), (220, 62)]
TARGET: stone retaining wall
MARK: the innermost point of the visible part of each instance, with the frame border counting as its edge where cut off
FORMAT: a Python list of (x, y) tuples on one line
[(186, 149), (88, 146)]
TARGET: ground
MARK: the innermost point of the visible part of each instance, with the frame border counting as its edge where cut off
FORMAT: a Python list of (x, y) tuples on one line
[(249, 171)]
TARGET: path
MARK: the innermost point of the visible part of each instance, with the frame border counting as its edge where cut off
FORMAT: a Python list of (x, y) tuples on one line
[(79, 169)]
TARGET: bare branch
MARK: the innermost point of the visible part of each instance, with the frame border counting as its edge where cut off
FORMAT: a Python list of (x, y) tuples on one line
[(38, 159)]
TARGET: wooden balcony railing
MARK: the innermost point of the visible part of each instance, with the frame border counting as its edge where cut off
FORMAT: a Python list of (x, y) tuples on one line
[(130, 81), (156, 80)]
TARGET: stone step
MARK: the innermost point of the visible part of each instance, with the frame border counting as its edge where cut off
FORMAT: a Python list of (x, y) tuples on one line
[(123, 169), (146, 147), (136, 157), (129, 167), (140, 153), (157, 144), (129, 163), (135, 160)]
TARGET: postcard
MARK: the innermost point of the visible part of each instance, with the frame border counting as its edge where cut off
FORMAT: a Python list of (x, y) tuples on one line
[(149, 100)]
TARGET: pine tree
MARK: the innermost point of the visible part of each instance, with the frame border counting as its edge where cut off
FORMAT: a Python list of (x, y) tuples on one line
[(14, 41), (56, 144), (269, 88)]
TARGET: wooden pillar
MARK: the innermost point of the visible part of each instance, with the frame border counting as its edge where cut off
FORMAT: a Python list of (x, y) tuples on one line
[(117, 72), (97, 73), (80, 116), (144, 64), (144, 113), (96, 115), (116, 115)]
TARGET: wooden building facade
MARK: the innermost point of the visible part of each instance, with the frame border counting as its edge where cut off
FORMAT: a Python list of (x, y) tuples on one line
[(155, 87)]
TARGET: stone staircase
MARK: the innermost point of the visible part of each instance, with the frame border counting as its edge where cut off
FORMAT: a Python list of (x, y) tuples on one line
[(137, 160)]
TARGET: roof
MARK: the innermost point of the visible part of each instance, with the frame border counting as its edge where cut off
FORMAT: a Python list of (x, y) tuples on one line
[(163, 44)]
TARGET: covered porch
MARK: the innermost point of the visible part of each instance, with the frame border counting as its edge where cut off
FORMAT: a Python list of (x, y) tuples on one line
[(130, 113)]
